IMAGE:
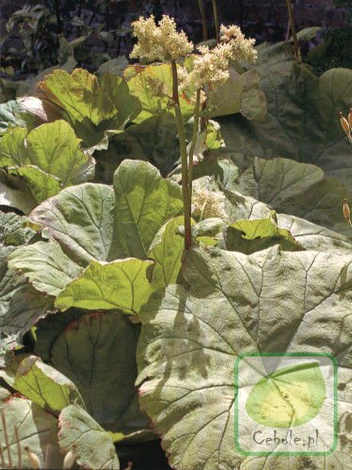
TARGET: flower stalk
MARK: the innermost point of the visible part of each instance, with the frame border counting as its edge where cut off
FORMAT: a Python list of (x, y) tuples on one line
[(194, 138), (184, 158)]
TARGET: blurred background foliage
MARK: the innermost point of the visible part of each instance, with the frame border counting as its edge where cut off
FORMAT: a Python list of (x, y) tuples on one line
[(36, 36)]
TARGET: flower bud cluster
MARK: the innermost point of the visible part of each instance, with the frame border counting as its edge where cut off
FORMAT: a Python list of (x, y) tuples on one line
[(240, 47), (211, 67), (159, 42), (208, 204)]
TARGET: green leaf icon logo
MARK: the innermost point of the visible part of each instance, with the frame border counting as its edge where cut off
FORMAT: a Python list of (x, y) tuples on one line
[(288, 397)]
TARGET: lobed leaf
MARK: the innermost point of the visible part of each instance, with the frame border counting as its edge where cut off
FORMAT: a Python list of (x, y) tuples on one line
[(53, 148), (152, 105), (39, 163), (86, 228), (90, 105)]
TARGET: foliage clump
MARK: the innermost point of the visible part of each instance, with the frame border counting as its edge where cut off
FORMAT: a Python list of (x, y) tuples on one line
[(191, 275)]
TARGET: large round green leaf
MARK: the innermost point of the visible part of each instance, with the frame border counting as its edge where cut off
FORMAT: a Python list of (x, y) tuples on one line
[(271, 301), (86, 226), (139, 86), (53, 148), (91, 224), (40, 162)]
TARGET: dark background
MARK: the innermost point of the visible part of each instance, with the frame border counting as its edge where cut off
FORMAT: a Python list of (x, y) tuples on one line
[(39, 34)]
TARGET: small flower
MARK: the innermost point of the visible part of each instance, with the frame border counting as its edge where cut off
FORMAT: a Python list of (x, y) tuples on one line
[(159, 42)]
